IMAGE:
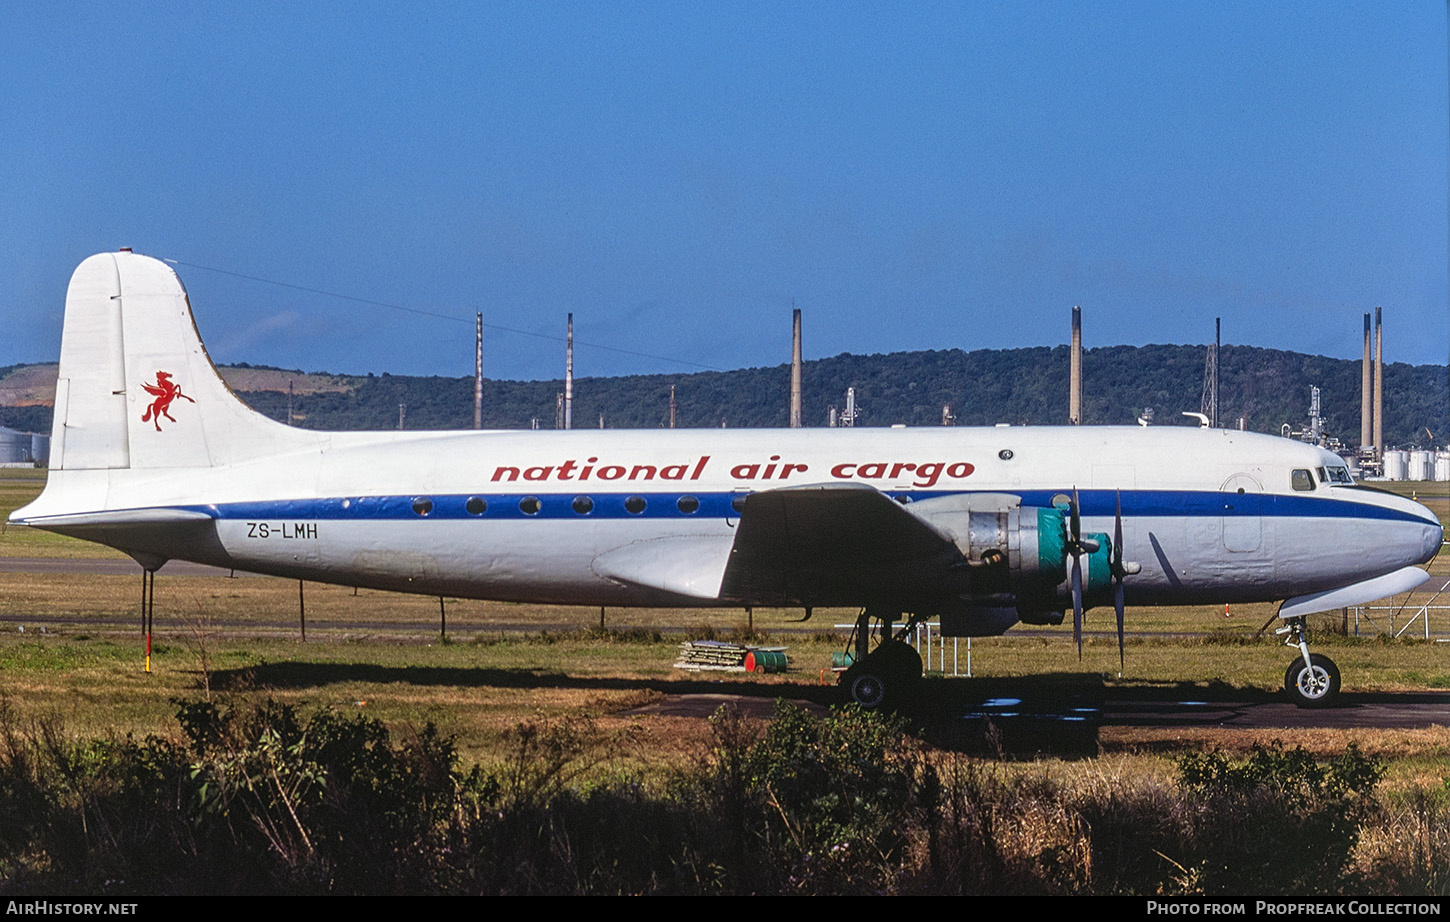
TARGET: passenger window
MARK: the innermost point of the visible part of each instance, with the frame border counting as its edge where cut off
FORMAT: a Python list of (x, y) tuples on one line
[(689, 505), (476, 505), (1303, 480), (422, 505), (530, 505), (634, 505), (583, 505)]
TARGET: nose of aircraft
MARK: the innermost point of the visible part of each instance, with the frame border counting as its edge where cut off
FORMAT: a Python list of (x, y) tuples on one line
[(1414, 534), (1431, 533), (1433, 540)]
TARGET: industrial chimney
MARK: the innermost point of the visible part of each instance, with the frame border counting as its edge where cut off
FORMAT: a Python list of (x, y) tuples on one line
[(1379, 386), (1074, 391), (478, 374), (1366, 392), (795, 370), (569, 378)]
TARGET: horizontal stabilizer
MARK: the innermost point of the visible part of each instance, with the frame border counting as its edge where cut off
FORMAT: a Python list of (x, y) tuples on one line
[(1381, 587), (115, 517), (689, 566), (152, 536)]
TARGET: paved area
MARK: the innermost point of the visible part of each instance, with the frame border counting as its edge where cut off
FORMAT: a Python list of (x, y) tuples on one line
[(1070, 711)]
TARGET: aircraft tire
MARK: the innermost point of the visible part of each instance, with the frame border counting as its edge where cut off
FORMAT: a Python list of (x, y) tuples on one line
[(1315, 686), (887, 677), (866, 688)]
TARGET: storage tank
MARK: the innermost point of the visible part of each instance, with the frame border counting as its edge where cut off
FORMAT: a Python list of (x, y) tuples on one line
[(1397, 465), (14, 447), (1442, 465), (1422, 465), (40, 449)]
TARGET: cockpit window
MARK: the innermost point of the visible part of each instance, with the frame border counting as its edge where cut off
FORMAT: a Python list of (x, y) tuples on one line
[(1302, 480), (1323, 477), (1340, 475)]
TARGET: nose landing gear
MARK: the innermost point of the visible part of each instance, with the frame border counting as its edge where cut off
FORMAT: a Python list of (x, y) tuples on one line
[(1312, 679)]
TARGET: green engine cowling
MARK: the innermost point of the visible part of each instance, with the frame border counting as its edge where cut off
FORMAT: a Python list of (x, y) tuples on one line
[(1044, 592)]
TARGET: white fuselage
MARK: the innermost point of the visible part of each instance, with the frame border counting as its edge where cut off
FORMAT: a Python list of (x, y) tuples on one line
[(1210, 515)]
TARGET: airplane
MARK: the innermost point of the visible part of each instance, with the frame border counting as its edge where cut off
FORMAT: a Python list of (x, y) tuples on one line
[(982, 528)]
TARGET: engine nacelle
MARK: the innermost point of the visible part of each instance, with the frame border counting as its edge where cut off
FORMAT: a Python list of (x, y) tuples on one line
[(1018, 565)]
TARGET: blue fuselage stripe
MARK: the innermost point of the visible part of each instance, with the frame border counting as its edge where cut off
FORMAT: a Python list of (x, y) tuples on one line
[(1097, 503)]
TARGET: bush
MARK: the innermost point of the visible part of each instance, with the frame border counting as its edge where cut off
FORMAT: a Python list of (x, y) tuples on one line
[(257, 799), (1277, 823)]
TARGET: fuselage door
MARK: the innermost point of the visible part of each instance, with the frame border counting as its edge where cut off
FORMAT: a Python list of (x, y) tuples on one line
[(1242, 517)]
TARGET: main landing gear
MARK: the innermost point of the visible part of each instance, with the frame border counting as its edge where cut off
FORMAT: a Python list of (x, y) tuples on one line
[(1312, 679), (888, 676)]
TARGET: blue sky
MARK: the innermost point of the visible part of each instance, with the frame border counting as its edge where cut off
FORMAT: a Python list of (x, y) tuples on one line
[(679, 175)]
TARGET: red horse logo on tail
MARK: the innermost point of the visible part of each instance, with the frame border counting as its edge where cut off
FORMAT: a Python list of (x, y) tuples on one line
[(165, 391)]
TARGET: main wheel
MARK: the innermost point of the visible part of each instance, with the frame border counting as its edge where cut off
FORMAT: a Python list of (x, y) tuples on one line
[(867, 689), (1315, 685), (887, 677)]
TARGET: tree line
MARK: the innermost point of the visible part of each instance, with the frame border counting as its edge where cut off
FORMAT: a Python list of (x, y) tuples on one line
[(1267, 387)]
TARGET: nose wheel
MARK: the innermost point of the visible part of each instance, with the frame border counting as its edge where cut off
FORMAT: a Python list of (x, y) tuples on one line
[(1312, 679), (1314, 684)]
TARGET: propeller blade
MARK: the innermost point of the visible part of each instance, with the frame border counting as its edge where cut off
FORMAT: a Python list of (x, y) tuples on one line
[(1118, 535), (1118, 608), (1117, 567), (1075, 515), (1077, 603), (1075, 546)]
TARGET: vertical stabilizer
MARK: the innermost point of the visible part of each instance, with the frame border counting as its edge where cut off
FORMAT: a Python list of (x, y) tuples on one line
[(136, 387)]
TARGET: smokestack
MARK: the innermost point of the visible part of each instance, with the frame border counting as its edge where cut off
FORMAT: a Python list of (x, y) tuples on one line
[(569, 378), (1074, 387), (1379, 386), (795, 371), (1217, 351), (478, 374), (1210, 376), (1366, 392)]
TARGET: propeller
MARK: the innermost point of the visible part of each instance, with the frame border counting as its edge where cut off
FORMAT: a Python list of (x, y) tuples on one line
[(1077, 546)]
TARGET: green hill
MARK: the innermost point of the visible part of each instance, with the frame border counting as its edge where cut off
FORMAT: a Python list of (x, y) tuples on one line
[(1020, 386)]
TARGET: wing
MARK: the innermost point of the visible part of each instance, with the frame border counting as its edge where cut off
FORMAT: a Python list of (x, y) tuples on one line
[(831, 544), (837, 544)]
